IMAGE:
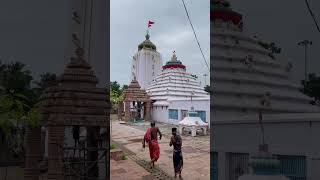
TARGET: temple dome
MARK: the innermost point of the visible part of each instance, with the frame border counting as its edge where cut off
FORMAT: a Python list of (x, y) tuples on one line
[(221, 12), (147, 44), (174, 63), (175, 83), (245, 71), (135, 93), (75, 100)]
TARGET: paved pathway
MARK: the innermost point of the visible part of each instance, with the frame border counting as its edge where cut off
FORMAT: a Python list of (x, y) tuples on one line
[(195, 149), (127, 169)]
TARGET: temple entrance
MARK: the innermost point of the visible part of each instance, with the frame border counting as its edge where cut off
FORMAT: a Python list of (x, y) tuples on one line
[(137, 104), (137, 110), (75, 118)]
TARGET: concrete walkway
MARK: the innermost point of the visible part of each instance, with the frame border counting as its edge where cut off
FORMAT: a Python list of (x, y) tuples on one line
[(196, 150)]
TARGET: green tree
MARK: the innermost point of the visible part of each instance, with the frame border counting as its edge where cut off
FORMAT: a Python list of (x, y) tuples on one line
[(19, 102), (116, 93), (16, 108), (46, 80), (312, 88), (207, 89)]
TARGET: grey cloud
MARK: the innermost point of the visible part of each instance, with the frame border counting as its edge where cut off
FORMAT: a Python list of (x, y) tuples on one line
[(171, 31)]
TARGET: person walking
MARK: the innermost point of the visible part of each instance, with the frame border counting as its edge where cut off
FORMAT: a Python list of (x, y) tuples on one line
[(151, 137), (176, 142)]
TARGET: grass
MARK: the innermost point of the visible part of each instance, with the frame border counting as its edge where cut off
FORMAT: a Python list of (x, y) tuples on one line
[(112, 146), (124, 157)]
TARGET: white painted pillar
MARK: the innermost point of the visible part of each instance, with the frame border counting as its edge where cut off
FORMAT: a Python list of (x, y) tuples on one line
[(193, 131), (180, 130), (205, 131)]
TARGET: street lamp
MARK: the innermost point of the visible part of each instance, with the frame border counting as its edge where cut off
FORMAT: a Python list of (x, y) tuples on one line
[(205, 79), (305, 43)]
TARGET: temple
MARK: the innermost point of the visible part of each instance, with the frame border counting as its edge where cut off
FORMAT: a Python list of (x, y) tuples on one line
[(255, 101), (146, 63), (172, 90)]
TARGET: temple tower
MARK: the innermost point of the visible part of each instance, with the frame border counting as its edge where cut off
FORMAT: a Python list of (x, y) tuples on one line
[(146, 63), (255, 100)]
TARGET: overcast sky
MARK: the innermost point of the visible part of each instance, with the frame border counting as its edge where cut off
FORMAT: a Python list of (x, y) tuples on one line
[(285, 23), (37, 32), (170, 32)]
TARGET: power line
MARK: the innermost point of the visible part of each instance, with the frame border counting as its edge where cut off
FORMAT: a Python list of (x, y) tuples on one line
[(195, 35), (312, 15)]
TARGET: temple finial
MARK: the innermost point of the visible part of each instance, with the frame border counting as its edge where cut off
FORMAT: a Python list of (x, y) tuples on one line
[(147, 35), (174, 57), (79, 52)]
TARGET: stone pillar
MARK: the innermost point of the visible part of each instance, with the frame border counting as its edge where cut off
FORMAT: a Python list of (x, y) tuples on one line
[(148, 111), (126, 111), (32, 153), (92, 143), (43, 141), (193, 131), (204, 131), (181, 130), (55, 153)]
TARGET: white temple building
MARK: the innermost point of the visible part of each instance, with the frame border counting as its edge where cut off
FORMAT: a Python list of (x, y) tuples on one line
[(172, 89), (146, 63), (249, 80), (174, 92)]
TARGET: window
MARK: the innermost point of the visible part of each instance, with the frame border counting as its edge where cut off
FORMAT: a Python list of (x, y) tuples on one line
[(294, 167), (202, 115), (238, 165), (173, 114)]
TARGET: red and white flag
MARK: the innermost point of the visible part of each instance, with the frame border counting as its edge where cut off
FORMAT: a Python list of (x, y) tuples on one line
[(150, 23)]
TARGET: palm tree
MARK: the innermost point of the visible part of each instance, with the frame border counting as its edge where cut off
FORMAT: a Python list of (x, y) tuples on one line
[(19, 114)]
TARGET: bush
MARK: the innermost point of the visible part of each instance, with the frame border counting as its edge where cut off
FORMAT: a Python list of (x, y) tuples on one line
[(112, 146), (124, 157)]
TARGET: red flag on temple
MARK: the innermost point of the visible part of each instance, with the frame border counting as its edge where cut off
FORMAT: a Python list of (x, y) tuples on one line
[(150, 23)]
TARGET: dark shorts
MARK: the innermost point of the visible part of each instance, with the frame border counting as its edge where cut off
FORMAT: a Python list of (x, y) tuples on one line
[(177, 161)]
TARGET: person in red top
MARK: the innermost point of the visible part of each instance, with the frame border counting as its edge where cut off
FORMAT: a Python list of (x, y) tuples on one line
[(151, 137)]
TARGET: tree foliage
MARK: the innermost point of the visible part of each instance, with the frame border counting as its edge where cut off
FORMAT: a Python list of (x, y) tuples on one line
[(19, 101), (207, 89), (271, 47), (116, 92), (311, 88)]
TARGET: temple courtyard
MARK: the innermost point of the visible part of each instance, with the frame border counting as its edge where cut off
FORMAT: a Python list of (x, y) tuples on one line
[(134, 163)]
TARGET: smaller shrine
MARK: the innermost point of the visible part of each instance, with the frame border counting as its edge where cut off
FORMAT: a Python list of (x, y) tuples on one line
[(137, 103), (193, 124), (264, 166)]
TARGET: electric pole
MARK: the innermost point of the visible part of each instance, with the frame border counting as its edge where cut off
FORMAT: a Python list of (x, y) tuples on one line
[(305, 43), (205, 79)]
